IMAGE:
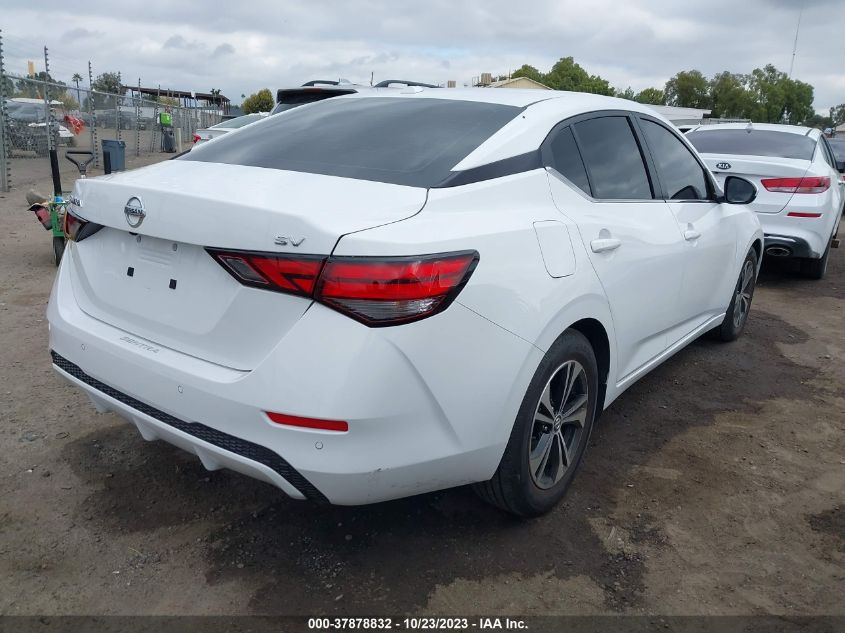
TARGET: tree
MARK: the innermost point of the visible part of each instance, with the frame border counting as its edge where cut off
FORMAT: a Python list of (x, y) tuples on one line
[(729, 96), (779, 98), (567, 75), (688, 89), (261, 101), (107, 82), (33, 86), (528, 71), (68, 102), (76, 79), (651, 96), (837, 115), (628, 93)]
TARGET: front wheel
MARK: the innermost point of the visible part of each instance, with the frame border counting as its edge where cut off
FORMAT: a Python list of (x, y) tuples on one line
[(737, 315), (58, 248), (550, 433)]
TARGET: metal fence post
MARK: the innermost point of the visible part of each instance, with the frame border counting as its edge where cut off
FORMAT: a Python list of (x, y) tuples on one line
[(138, 121), (5, 145), (117, 106), (48, 111), (92, 112)]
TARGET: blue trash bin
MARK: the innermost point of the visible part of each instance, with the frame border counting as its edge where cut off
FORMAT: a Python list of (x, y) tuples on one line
[(114, 155)]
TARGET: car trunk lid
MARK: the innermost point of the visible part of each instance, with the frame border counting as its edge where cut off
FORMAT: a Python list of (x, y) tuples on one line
[(755, 169), (156, 281)]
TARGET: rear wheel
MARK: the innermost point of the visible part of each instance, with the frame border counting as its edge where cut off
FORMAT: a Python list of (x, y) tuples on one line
[(737, 313), (58, 248), (551, 431), (816, 268)]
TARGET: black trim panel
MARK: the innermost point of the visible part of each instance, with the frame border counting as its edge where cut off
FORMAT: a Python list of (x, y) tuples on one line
[(244, 448), (505, 167)]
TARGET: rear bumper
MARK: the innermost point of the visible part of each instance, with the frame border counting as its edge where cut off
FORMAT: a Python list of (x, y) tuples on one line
[(785, 246), (803, 237), (430, 405)]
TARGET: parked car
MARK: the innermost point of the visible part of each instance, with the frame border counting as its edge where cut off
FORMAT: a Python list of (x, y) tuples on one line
[(837, 146), (319, 89), (380, 296), (27, 126), (800, 187), (206, 134)]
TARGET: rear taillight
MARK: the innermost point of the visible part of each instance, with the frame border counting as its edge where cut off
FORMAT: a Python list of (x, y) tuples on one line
[(376, 291), (197, 138), (807, 184), (294, 275), (380, 291)]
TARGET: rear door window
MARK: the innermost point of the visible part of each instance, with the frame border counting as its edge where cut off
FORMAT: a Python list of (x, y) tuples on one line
[(681, 175), (404, 141), (614, 162), (744, 142), (566, 159)]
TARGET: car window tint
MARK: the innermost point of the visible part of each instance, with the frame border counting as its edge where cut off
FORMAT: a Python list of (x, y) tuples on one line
[(744, 142), (680, 173), (414, 141), (837, 146), (824, 148), (613, 159), (566, 159)]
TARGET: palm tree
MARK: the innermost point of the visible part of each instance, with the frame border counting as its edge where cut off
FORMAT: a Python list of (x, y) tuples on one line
[(76, 79)]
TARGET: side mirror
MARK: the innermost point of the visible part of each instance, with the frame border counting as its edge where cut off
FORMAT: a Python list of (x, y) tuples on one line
[(739, 190)]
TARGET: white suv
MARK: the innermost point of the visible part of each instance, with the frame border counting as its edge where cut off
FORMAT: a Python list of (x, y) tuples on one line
[(372, 297)]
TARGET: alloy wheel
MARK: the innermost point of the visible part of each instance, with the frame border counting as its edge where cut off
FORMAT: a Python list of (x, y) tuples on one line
[(744, 291), (558, 428)]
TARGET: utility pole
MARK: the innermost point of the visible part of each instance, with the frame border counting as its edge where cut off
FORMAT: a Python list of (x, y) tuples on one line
[(795, 43)]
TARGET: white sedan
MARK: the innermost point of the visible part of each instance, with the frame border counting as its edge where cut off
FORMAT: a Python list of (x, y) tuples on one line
[(801, 191), (373, 297), (224, 127)]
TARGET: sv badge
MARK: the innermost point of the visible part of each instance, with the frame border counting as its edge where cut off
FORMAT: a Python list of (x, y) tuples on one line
[(284, 240)]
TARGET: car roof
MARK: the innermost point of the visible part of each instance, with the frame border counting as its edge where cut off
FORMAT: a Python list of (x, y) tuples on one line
[(772, 127), (542, 110)]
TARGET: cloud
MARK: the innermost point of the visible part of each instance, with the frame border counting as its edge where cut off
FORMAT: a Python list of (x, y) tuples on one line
[(224, 49), (243, 47), (79, 34), (179, 42)]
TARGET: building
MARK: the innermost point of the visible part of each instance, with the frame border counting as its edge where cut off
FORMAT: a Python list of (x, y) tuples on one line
[(519, 82)]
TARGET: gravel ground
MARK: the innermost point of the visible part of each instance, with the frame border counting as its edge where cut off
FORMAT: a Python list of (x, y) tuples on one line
[(716, 485)]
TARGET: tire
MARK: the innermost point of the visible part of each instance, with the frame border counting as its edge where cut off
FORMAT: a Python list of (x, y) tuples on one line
[(58, 249), (816, 268), (526, 486), (735, 319)]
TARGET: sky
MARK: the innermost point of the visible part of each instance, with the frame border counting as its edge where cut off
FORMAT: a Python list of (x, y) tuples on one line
[(241, 47)]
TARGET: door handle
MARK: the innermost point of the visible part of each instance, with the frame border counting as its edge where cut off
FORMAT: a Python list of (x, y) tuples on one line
[(605, 244), (691, 234)]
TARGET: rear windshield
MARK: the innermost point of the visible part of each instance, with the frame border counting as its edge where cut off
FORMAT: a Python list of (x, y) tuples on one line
[(753, 143), (233, 124), (292, 98), (413, 142)]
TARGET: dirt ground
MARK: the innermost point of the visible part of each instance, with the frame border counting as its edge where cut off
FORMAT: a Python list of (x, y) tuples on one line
[(716, 485)]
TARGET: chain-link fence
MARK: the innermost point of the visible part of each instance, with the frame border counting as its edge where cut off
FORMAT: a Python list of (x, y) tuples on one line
[(37, 116)]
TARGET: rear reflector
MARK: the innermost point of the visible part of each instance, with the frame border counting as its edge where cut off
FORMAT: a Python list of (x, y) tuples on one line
[(308, 423), (807, 184), (797, 214), (376, 291)]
